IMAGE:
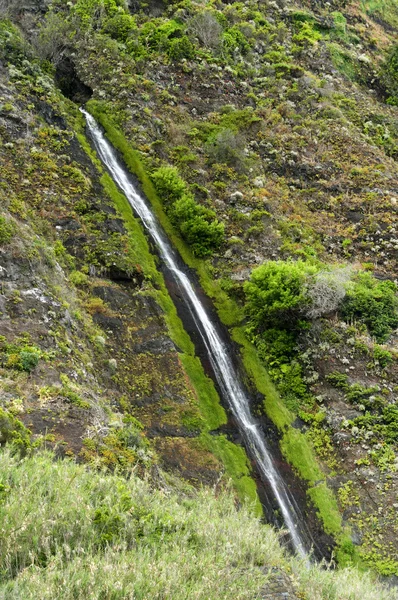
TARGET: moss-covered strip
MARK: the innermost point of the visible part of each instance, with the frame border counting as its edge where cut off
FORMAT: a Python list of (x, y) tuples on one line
[(237, 467)]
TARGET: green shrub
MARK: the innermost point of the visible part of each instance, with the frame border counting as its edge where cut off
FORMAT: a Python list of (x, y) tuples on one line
[(7, 230), (92, 12), (19, 356), (306, 34), (197, 224), (233, 39), (275, 294), (169, 185), (390, 421), (120, 27), (156, 35), (29, 358), (78, 278), (389, 74), (382, 356), (374, 303), (181, 48), (339, 380)]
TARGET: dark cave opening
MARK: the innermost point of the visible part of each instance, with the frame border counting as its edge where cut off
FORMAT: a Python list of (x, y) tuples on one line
[(68, 81)]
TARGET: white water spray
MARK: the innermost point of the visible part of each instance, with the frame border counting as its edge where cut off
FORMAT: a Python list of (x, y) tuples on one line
[(224, 370)]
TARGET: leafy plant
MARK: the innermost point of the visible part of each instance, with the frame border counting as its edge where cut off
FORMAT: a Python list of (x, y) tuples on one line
[(14, 432), (382, 356), (374, 303), (197, 224), (19, 355), (181, 48), (275, 294)]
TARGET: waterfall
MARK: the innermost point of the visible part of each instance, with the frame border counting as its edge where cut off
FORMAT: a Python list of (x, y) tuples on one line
[(228, 379)]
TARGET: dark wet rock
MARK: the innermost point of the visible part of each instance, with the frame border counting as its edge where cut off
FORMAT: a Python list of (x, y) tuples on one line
[(50, 115), (68, 224), (110, 324), (161, 345), (117, 273), (115, 226)]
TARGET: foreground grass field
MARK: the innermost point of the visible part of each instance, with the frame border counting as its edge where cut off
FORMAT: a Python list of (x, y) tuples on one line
[(72, 533)]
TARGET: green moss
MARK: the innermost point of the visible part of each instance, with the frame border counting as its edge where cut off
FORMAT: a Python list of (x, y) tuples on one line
[(299, 453), (326, 503), (209, 402), (273, 405), (236, 464)]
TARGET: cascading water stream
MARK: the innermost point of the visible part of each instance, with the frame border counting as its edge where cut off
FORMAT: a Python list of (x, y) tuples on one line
[(226, 375)]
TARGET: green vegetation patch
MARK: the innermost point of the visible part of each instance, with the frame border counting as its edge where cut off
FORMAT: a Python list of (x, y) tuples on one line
[(237, 467), (386, 10), (86, 534), (374, 303), (7, 230), (90, 535), (13, 432), (19, 355)]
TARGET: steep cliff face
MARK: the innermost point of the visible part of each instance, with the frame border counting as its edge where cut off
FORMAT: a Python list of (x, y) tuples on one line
[(276, 117), (280, 119), (89, 357)]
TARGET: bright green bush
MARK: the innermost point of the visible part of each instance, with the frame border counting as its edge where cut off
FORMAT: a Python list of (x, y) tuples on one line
[(120, 27), (382, 356), (374, 303), (90, 11), (197, 224), (276, 295), (181, 48), (169, 185), (233, 38), (78, 278), (157, 34), (307, 34)]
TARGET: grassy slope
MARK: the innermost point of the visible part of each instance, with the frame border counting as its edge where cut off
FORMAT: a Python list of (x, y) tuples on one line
[(87, 535)]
